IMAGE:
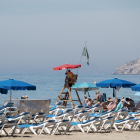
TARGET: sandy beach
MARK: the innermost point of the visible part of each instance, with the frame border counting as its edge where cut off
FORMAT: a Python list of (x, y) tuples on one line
[(77, 135)]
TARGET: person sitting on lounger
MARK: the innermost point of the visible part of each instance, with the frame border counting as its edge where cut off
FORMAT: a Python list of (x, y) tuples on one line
[(89, 104), (131, 104), (98, 97), (112, 105), (120, 105), (135, 108), (85, 100), (108, 101)]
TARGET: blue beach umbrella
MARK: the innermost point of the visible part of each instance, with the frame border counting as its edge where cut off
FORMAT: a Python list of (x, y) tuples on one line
[(113, 83), (84, 87), (136, 88), (16, 85), (3, 90)]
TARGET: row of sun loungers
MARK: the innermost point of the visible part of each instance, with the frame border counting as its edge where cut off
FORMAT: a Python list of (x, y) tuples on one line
[(63, 120)]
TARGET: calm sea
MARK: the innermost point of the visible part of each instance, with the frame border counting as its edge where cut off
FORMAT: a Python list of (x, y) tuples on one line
[(50, 85)]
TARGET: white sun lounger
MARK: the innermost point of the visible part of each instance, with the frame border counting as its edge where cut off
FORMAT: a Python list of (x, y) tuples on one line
[(7, 124), (32, 127)]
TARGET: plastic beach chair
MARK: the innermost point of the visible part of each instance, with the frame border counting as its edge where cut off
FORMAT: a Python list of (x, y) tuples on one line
[(60, 116), (6, 105), (137, 124), (54, 109), (101, 115), (20, 117), (108, 121), (134, 114), (43, 126), (130, 122), (81, 115), (89, 124), (38, 117), (74, 110), (7, 124), (63, 125), (99, 122)]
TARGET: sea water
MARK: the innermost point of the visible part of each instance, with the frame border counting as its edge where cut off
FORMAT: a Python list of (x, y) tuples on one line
[(48, 86)]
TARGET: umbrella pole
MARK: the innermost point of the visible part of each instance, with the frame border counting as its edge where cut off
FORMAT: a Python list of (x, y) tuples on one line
[(10, 101), (114, 92)]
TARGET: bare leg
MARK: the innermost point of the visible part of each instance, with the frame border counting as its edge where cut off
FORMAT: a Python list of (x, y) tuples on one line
[(126, 105), (103, 105)]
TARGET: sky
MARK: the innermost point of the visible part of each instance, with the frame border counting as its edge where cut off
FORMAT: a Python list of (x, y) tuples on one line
[(37, 35)]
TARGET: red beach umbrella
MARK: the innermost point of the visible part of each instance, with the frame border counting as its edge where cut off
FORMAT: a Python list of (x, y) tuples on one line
[(66, 66)]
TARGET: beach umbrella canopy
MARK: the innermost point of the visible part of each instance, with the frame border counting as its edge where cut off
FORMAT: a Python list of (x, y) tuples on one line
[(84, 87), (16, 85), (3, 90), (115, 83), (136, 88), (67, 66), (137, 94)]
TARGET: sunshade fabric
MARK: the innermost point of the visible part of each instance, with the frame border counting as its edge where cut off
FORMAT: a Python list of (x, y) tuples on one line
[(137, 94), (3, 90), (16, 85), (84, 87), (67, 66), (115, 83), (136, 88)]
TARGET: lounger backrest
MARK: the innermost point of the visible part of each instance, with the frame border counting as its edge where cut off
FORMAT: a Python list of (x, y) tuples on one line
[(104, 97), (2, 112), (60, 114), (52, 108), (10, 105)]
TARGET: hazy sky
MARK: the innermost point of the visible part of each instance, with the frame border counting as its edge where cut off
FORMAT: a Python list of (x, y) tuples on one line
[(42, 34)]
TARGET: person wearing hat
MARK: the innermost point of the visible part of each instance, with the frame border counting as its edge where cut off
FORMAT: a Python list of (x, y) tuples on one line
[(85, 100)]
